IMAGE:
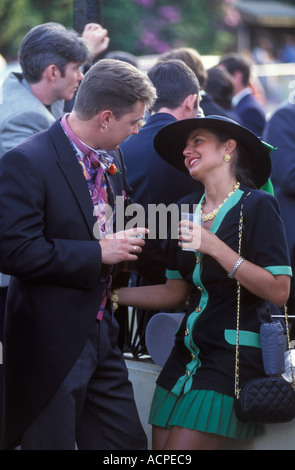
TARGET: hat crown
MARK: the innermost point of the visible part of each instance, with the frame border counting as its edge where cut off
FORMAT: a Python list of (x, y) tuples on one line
[(170, 143)]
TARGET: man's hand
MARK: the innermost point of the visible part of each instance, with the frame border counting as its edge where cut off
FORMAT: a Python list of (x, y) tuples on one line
[(96, 37), (122, 246)]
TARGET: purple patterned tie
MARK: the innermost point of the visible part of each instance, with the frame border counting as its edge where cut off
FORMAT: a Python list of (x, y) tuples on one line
[(95, 165)]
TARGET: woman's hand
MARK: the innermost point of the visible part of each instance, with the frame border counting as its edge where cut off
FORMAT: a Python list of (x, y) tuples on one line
[(192, 236)]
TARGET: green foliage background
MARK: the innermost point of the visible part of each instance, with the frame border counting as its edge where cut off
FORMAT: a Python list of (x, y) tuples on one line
[(17, 17), (199, 25), (129, 22)]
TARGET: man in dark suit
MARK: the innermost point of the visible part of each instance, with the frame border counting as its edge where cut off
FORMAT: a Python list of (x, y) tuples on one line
[(50, 57), (279, 132), (154, 181), (65, 378), (250, 111)]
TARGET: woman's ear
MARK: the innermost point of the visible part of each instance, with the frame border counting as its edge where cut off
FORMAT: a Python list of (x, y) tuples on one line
[(231, 145)]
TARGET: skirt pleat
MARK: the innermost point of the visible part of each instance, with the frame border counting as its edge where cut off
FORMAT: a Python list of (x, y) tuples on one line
[(200, 410)]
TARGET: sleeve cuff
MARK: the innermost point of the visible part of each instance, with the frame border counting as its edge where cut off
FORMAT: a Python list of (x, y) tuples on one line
[(276, 270), (173, 274)]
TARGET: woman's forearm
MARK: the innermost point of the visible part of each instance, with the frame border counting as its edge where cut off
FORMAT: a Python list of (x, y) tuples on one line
[(171, 295), (254, 278)]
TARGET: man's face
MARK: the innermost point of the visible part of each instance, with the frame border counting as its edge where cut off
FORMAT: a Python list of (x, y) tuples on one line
[(67, 85), (120, 129)]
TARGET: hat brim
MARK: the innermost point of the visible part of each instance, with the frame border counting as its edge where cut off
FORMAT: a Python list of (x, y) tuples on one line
[(170, 143)]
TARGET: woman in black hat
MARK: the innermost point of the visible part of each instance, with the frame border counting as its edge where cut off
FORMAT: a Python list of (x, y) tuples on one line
[(193, 401)]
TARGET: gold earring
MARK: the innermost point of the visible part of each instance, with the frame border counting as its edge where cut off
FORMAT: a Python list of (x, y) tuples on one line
[(227, 157)]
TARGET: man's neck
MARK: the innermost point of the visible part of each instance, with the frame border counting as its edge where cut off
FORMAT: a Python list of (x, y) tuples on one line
[(240, 95), (177, 113), (83, 130), (42, 92)]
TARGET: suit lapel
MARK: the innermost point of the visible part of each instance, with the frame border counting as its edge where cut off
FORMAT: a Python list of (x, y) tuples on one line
[(71, 169)]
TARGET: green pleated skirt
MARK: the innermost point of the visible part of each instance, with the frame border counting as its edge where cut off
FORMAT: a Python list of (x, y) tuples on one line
[(200, 410)]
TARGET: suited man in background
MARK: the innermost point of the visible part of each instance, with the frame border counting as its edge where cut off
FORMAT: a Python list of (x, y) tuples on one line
[(279, 132), (152, 180), (65, 377), (250, 111), (50, 57)]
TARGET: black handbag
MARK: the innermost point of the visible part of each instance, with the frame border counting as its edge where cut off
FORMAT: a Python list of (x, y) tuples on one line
[(267, 399)]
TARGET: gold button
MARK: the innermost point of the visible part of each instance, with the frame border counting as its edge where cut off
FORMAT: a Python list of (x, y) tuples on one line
[(198, 309), (187, 373), (197, 259), (193, 357), (186, 332), (200, 289)]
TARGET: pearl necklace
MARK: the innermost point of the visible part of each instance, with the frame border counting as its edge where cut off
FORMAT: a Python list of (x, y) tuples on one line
[(211, 215)]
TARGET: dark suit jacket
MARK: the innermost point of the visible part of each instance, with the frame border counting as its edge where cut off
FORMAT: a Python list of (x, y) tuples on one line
[(209, 107), (154, 181), (279, 132), (48, 247), (251, 114)]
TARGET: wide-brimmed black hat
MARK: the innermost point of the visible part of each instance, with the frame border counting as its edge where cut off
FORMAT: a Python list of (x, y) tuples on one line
[(170, 143)]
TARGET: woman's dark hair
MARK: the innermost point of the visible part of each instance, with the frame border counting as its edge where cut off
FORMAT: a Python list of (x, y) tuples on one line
[(220, 87), (242, 172)]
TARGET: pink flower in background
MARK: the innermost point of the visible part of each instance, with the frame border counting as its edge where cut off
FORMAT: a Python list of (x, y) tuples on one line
[(170, 14), (145, 3), (150, 39), (153, 27)]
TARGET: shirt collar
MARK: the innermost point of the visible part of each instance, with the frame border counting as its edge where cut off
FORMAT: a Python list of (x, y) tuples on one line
[(239, 96)]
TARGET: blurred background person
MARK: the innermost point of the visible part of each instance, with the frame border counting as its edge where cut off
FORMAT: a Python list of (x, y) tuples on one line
[(279, 132), (219, 87), (250, 111)]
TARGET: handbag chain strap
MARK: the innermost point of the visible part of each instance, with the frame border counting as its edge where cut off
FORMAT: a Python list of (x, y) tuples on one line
[(237, 371)]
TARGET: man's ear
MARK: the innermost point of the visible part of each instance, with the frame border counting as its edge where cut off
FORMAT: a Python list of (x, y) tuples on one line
[(51, 72), (103, 119), (190, 102)]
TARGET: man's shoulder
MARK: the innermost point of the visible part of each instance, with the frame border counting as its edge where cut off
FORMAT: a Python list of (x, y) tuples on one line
[(18, 98), (250, 101), (285, 111), (14, 85), (52, 133)]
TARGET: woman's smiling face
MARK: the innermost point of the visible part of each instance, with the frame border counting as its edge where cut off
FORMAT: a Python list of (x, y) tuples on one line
[(203, 152)]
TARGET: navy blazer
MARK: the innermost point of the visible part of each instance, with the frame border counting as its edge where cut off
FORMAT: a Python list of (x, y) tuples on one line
[(279, 132), (154, 181), (48, 247), (210, 107), (251, 114)]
